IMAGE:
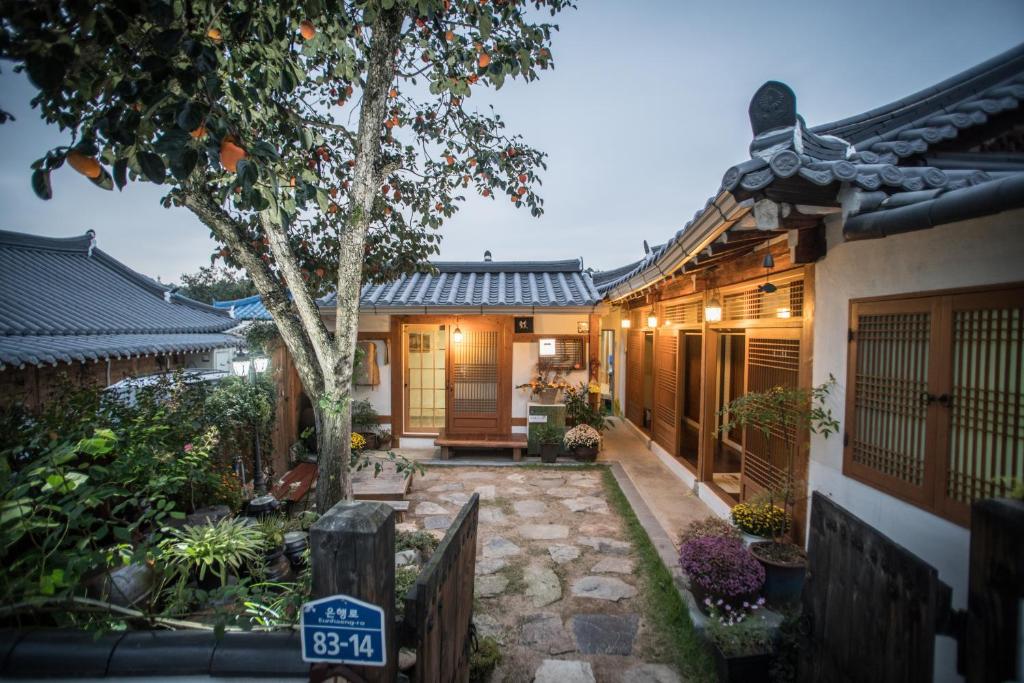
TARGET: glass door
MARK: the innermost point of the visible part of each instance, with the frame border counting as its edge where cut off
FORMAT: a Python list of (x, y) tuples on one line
[(424, 378)]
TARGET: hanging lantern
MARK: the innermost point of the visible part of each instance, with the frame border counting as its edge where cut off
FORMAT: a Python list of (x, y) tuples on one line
[(713, 311), (457, 333), (652, 319), (626, 323), (240, 365), (260, 364)]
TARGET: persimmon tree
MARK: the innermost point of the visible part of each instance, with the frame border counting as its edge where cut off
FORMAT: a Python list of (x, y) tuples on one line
[(322, 142)]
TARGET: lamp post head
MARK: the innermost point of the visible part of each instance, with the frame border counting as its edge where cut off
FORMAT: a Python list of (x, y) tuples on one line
[(240, 364)]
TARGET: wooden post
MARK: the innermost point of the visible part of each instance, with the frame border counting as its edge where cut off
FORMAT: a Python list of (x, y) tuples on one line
[(352, 550), (995, 591)]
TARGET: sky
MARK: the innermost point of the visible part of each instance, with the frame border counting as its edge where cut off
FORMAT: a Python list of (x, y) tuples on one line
[(644, 112)]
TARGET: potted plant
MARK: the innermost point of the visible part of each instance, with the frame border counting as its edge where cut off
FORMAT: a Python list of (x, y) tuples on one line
[(579, 410), (550, 438), (740, 643), (276, 566), (787, 412), (711, 526), (366, 422), (211, 553), (384, 438), (545, 386), (721, 569), (583, 441), (759, 520)]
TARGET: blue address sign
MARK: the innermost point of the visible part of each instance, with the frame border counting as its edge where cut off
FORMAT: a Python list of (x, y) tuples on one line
[(343, 630)]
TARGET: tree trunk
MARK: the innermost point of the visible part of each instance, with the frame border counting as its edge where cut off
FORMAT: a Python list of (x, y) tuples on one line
[(333, 441)]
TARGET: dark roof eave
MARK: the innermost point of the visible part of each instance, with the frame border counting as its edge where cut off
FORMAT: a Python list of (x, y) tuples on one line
[(950, 207)]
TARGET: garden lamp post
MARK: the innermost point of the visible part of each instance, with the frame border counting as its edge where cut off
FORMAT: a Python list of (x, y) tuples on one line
[(248, 368)]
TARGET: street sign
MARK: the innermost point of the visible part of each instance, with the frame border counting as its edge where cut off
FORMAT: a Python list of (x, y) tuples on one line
[(343, 630)]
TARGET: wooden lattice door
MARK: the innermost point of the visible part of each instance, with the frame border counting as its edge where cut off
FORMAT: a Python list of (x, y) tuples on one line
[(478, 388), (635, 378), (666, 390), (773, 360)]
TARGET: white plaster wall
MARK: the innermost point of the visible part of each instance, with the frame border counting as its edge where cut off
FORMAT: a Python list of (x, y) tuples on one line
[(979, 252), (380, 395), (525, 356)]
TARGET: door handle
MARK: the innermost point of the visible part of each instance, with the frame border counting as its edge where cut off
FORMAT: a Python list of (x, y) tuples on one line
[(927, 398)]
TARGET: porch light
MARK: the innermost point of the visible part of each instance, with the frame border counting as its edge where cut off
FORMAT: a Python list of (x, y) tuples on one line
[(783, 313), (240, 365), (260, 364), (652, 319), (713, 311), (626, 323), (457, 335)]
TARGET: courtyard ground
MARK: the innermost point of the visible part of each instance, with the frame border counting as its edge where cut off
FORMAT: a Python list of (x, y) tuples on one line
[(557, 578)]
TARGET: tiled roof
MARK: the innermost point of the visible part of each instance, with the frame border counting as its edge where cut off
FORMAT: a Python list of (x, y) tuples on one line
[(897, 155), (18, 350), (66, 300), (249, 308), (487, 284), (461, 285)]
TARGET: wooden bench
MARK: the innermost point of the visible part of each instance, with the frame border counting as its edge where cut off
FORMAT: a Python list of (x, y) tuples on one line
[(399, 506), (515, 442)]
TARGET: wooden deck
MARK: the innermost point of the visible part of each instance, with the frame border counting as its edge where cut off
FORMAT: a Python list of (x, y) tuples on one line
[(515, 442)]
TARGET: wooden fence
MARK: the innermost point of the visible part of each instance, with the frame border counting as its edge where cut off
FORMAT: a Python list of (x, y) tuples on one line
[(439, 607), (872, 609)]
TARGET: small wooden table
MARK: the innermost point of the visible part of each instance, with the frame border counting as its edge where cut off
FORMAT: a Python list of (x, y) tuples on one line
[(447, 442)]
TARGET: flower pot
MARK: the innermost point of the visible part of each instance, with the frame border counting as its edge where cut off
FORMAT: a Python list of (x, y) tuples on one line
[(372, 440), (125, 586), (546, 396), (585, 453), (752, 668), (277, 566), (295, 544), (783, 581), (548, 452), (700, 595), (749, 539)]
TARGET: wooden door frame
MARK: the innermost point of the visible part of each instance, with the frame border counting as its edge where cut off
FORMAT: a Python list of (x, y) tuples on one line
[(398, 368)]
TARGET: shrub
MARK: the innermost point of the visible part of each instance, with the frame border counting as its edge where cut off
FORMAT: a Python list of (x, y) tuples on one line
[(484, 658), (709, 527), (221, 548), (722, 567), (422, 541), (358, 442), (760, 519), (582, 436)]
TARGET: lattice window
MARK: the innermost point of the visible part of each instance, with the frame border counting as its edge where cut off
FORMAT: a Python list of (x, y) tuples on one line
[(666, 401), (475, 372), (569, 355), (936, 409), (787, 301), (770, 363), (680, 312)]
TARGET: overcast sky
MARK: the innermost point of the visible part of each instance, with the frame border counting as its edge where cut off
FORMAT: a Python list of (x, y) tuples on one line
[(646, 109)]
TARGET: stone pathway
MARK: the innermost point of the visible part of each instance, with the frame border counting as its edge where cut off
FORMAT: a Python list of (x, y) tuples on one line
[(555, 577)]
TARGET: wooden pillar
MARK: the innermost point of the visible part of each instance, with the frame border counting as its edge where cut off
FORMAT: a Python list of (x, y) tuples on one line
[(352, 551), (594, 358), (708, 403)]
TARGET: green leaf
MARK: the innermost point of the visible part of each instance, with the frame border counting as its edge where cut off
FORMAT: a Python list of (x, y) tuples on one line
[(152, 166), (104, 181), (121, 173), (183, 165), (41, 184)]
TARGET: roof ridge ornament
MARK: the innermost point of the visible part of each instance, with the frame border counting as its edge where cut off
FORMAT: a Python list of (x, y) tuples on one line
[(772, 107), (91, 234)]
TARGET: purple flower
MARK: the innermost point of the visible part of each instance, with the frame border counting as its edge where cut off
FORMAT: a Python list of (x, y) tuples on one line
[(188, 448), (722, 567)]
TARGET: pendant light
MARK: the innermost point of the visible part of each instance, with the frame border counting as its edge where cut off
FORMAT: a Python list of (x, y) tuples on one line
[(457, 333), (713, 309), (768, 264), (652, 319), (626, 323)]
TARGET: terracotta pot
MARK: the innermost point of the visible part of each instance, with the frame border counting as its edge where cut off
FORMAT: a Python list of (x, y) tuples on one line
[(783, 581), (741, 669), (548, 452)]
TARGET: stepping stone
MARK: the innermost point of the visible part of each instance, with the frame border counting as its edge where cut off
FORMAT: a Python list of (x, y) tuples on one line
[(543, 532), (545, 632), (564, 671), (602, 588), (582, 480), (490, 515), (486, 625), (564, 492), (563, 553), (613, 565), (587, 503), (517, 478), (599, 529), (605, 634), (437, 522), (500, 547), (529, 508), (489, 565), (489, 586), (487, 476), (429, 508), (606, 545), (458, 498), (409, 527), (519, 491), (542, 585), (404, 558), (651, 673), (451, 486), (439, 534), (486, 491)]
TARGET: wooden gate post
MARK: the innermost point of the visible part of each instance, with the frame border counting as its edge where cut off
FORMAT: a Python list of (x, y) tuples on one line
[(352, 551)]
